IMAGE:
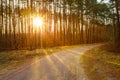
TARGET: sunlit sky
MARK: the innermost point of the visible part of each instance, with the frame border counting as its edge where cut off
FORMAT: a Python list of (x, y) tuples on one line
[(103, 1)]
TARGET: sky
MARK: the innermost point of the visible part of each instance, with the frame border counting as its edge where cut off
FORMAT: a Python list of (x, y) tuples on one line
[(103, 1)]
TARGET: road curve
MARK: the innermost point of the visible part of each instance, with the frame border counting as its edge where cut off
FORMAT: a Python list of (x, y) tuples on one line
[(64, 65)]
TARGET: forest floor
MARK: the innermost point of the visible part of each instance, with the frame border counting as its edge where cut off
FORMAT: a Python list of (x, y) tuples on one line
[(64, 64), (10, 59), (102, 63)]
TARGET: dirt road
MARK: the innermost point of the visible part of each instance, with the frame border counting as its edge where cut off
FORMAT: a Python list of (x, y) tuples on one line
[(64, 65)]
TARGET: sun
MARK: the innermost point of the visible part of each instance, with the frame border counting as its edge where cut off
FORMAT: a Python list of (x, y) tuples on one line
[(38, 22)]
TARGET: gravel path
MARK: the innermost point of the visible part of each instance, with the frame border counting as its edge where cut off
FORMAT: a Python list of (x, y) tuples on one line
[(64, 65)]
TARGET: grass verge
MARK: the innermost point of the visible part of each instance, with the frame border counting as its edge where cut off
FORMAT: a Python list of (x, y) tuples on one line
[(102, 63)]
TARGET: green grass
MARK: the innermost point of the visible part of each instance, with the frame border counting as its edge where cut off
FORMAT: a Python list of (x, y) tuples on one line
[(102, 63)]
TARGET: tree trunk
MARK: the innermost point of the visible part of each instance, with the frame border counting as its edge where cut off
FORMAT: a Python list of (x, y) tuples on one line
[(118, 22)]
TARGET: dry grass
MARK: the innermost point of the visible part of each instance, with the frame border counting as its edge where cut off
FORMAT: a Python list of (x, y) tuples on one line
[(102, 63)]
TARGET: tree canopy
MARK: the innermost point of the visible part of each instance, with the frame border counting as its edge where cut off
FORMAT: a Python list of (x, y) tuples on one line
[(66, 22)]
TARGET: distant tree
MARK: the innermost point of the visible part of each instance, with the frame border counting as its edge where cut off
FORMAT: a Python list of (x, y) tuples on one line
[(1, 17), (117, 7)]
